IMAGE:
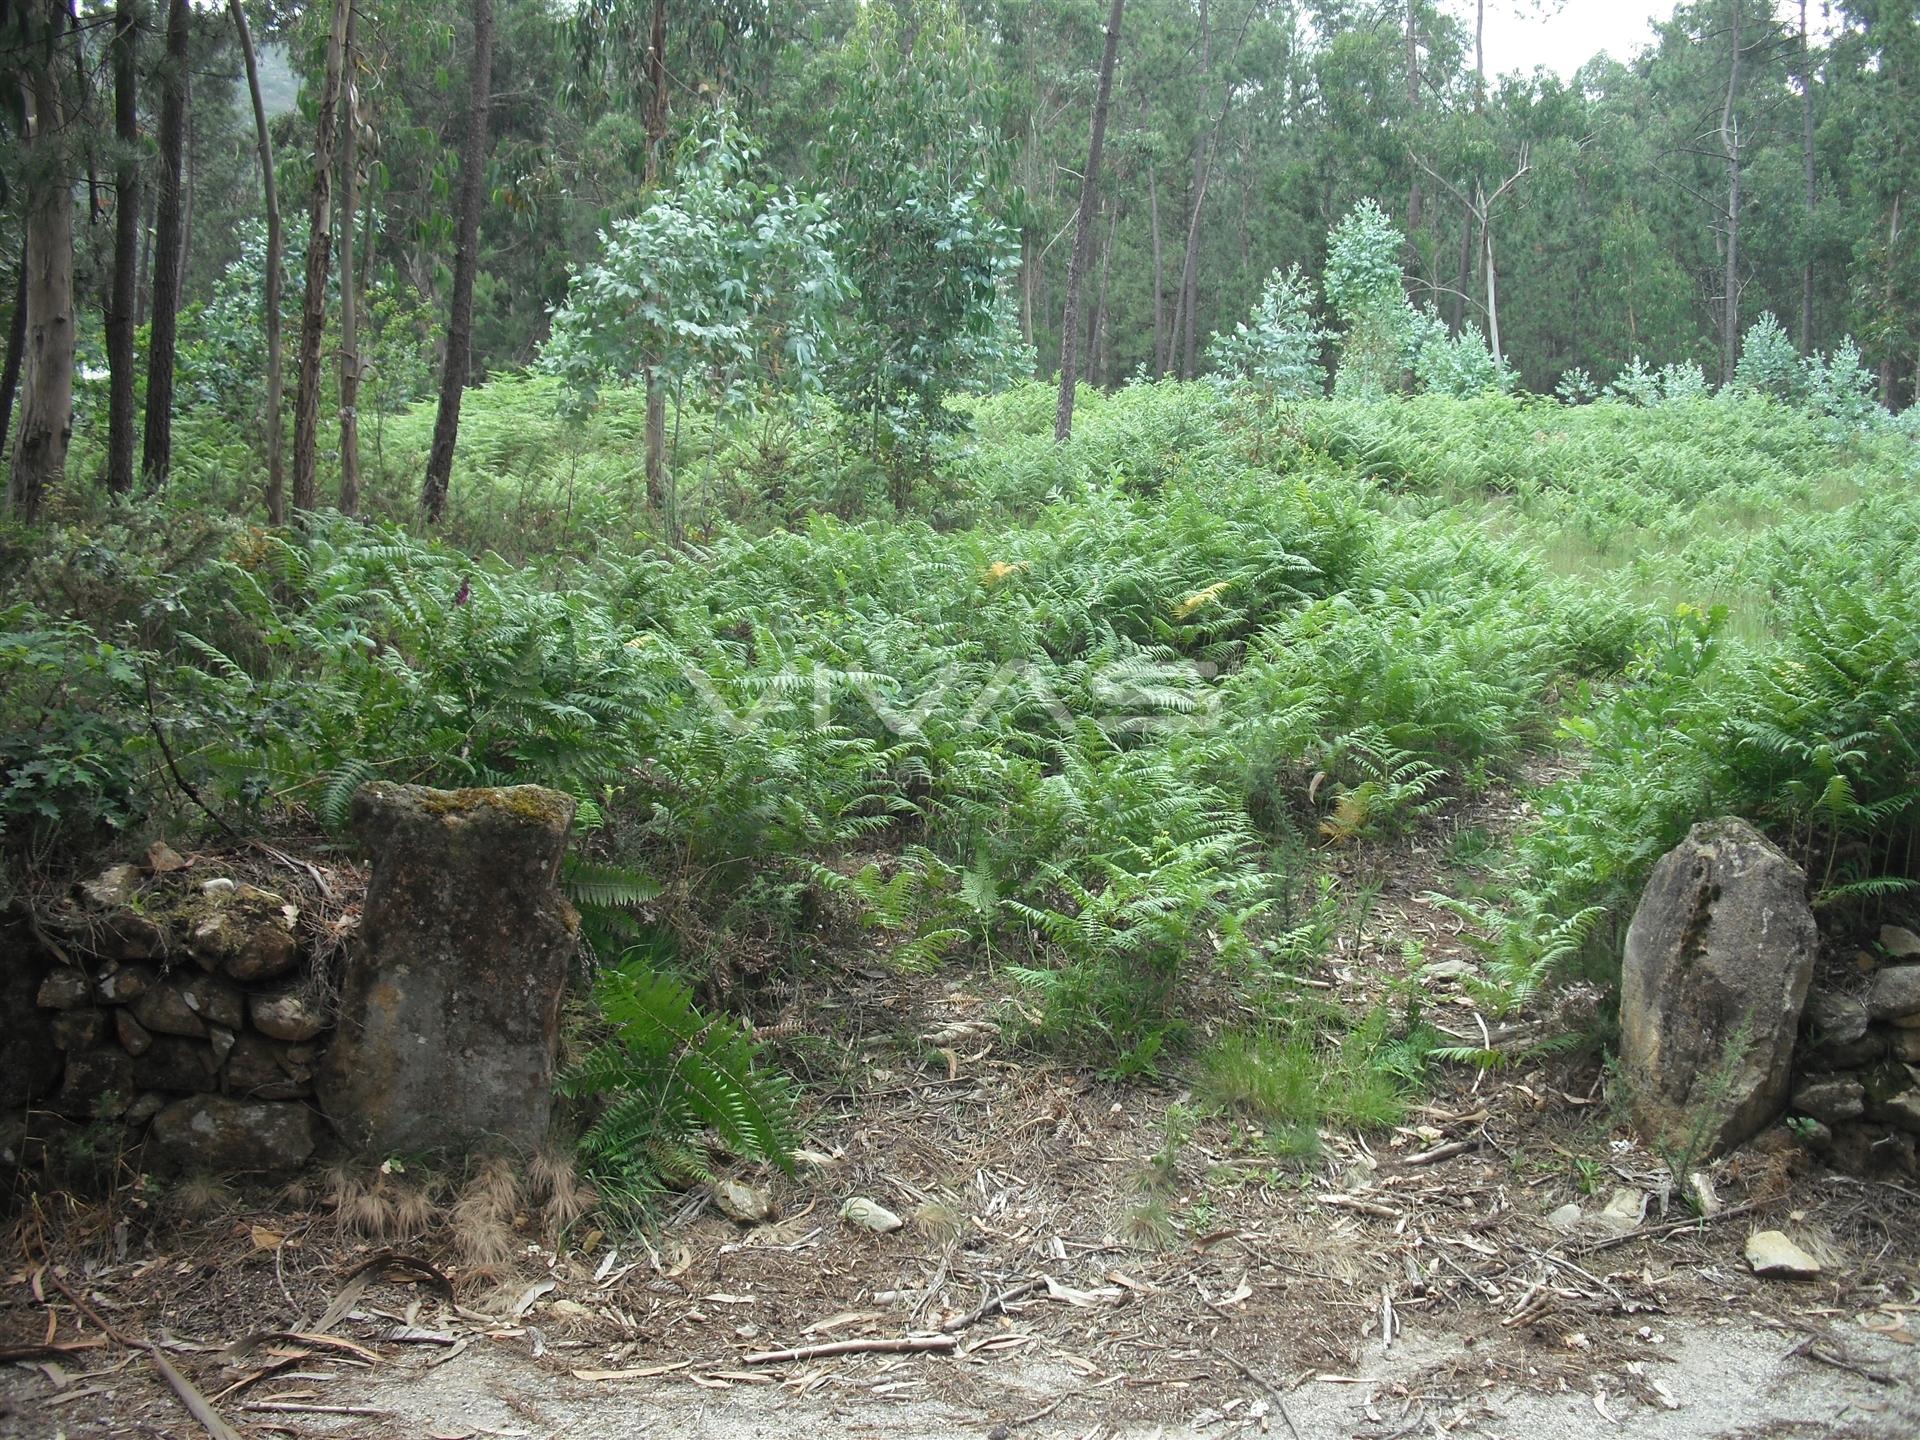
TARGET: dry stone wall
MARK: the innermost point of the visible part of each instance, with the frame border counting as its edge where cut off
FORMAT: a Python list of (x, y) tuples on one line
[(1856, 1093), (179, 1004), (190, 1006)]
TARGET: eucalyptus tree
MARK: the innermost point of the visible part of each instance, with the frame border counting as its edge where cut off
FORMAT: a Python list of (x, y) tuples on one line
[(313, 307), (169, 248), (270, 197), (1878, 115), (43, 58), (919, 172), (723, 285), (1083, 230), (123, 292), (350, 120), (473, 160)]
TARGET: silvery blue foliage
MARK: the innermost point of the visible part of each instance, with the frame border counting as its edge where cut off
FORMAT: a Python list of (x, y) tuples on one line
[(1458, 365), (1275, 352), (1363, 286), (1577, 387), (1770, 363)]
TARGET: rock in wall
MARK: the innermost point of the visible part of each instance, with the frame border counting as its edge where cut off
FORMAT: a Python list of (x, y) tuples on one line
[(1718, 960)]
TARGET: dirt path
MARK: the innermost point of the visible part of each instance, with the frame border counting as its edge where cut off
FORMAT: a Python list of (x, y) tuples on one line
[(1731, 1381), (1736, 1381)]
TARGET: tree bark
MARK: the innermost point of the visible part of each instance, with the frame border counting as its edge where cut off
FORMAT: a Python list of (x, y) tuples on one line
[(156, 456), (16, 341), (46, 411), (659, 498), (313, 309), (1730, 146), (1159, 274), (122, 297), (657, 94), (1101, 344), (1083, 231), (1413, 109), (263, 139), (656, 441), (473, 162), (349, 301), (1806, 160)]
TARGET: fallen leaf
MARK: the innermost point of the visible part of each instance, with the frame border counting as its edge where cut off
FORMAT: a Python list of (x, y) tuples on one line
[(840, 1321), (531, 1294), (645, 1372)]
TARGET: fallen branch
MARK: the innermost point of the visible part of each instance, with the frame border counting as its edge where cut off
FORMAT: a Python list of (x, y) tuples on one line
[(9, 1354), (1365, 1207), (998, 1302), (288, 1407), (1813, 1350), (361, 1276), (1007, 1427), (1440, 1152), (1279, 1400), (899, 1345), (190, 1396), (1653, 1231)]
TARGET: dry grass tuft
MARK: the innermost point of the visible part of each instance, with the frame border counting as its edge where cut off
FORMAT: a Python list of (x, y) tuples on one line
[(369, 1213), (413, 1209), (554, 1174), (482, 1219), (1149, 1226), (941, 1220), (200, 1197)]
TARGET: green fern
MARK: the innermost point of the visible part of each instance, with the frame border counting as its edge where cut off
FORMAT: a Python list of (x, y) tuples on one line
[(666, 1074)]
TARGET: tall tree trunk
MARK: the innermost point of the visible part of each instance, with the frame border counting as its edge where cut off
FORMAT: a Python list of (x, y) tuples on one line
[(263, 140), (16, 342), (122, 408), (143, 296), (349, 301), (659, 501), (1806, 161), (1493, 280), (1190, 274), (1083, 231), (187, 153), (1101, 346), (46, 411), (1188, 260), (156, 456), (473, 164), (1413, 109), (1159, 273), (1730, 145), (657, 94), (313, 307), (1457, 320), (1886, 301)]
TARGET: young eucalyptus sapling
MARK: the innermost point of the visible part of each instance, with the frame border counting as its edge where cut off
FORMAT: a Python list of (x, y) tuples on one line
[(1275, 352), (722, 284)]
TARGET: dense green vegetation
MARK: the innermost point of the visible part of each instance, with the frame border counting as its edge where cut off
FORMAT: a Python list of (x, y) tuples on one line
[(759, 541), (1092, 728)]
